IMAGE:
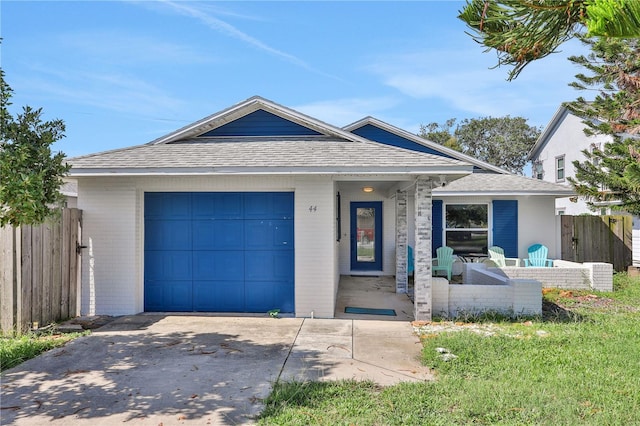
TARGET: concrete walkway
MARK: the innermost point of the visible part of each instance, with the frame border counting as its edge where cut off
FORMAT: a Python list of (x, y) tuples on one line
[(183, 369)]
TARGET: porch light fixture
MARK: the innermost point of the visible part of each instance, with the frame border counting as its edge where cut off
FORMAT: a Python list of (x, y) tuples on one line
[(368, 189)]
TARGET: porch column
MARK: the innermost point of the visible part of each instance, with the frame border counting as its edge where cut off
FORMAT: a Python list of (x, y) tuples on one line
[(422, 251), (401, 242)]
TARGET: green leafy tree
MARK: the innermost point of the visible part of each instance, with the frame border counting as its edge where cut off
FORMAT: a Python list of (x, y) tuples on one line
[(441, 133), (30, 174), (522, 31), (610, 175), (501, 141)]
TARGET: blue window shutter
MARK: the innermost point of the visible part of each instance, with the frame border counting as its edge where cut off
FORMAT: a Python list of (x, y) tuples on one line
[(505, 226), (436, 223)]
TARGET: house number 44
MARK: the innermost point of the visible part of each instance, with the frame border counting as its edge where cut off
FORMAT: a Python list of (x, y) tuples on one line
[(313, 208)]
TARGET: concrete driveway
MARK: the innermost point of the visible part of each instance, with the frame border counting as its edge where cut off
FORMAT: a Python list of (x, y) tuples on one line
[(175, 369)]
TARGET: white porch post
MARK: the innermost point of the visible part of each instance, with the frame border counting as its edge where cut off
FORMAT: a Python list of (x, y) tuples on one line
[(422, 251), (401, 242)]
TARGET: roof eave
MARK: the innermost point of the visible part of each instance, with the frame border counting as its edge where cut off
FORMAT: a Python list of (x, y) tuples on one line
[(425, 142), (215, 171), (248, 106), (547, 132), (440, 192)]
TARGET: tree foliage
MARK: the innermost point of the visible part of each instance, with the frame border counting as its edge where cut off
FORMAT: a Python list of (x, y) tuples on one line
[(441, 133), (30, 174), (501, 141), (522, 31), (610, 175)]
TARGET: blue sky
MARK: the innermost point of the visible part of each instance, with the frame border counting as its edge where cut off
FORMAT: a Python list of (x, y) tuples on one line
[(122, 73)]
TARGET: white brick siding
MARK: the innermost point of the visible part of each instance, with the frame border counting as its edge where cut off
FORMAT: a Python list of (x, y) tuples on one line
[(566, 275), (113, 222), (515, 297), (110, 263), (316, 283)]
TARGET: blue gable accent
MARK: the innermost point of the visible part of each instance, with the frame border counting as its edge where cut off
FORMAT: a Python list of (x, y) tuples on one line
[(505, 226), (261, 123), (379, 135), (436, 226)]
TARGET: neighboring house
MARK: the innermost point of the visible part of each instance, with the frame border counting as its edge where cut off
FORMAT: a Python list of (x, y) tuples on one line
[(561, 143), (260, 207), (70, 191)]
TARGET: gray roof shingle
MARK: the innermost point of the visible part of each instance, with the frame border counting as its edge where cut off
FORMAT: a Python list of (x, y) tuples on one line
[(269, 154), (486, 183)]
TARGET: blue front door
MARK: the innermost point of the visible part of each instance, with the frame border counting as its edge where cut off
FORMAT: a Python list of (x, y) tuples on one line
[(219, 252), (366, 236)]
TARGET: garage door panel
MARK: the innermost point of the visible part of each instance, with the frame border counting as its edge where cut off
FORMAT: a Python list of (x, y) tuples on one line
[(284, 295), (269, 266), (219, 252), (153, 295), (264, 296), (179, 296), (283, 234), (218, 296), (218, 234), (218, 265), (266, 205), (168, 265), (167, 205), (207, 205), (282, 206), (168, 235), (269, 235), (261, 297), (173, 295)]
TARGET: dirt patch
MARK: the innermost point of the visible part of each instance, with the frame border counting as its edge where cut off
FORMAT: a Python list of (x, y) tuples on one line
[(425, 328), (575, 300), (92, 322)]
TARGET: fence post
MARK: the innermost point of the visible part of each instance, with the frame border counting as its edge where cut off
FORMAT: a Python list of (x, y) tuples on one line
[(7, 279)]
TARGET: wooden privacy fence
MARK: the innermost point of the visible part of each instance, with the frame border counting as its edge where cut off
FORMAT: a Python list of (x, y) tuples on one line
[(40, 272), (597, 239)]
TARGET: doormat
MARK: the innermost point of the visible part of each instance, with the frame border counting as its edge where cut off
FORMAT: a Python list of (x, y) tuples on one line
[(369, 311)]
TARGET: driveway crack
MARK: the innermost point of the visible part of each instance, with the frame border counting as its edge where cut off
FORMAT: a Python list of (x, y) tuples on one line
[(290, 350)]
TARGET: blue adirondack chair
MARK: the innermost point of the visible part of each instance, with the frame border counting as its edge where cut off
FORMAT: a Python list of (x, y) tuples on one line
[(538, 256), (496, 254), (410, 264), (443, 261)]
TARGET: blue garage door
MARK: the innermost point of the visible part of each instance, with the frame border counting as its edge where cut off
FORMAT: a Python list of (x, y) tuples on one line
[(218, 252)]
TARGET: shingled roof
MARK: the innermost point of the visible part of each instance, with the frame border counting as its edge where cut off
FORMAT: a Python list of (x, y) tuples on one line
[(502, 184), (200, 149), (265, 155)]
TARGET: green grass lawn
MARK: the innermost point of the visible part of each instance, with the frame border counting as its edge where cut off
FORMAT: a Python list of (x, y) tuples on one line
[(15, 350), (578, 364)]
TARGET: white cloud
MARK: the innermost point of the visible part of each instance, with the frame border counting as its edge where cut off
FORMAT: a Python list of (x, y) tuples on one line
[(206, 16), (116, 47), (340, 112), (112, 91), (463, 80)]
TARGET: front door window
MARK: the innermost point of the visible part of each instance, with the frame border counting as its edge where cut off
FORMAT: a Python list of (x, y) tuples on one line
[(366, 243), (366, 236)]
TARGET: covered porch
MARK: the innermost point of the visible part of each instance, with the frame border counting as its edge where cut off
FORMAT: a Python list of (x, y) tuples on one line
[(374, 232), (372, 292)]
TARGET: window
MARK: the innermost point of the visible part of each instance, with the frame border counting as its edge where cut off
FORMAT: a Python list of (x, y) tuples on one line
[(467, 228), (560, 169), (538, 171)]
